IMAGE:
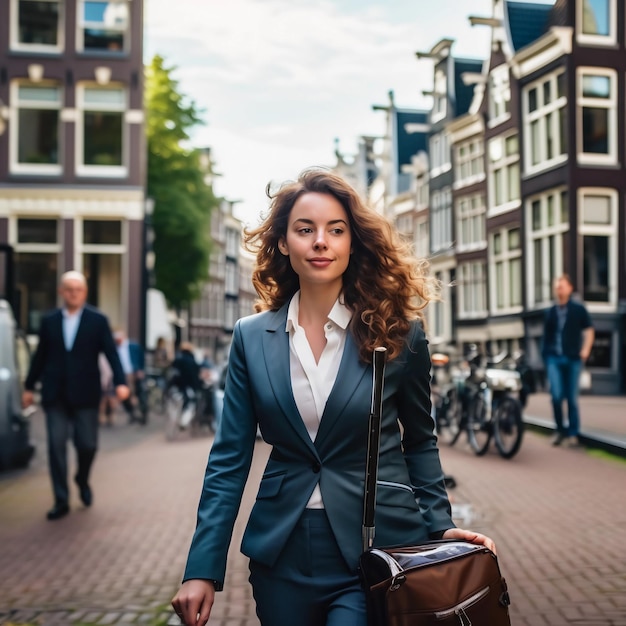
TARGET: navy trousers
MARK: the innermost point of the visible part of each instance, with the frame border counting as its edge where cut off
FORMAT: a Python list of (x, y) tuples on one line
[(310, 584)]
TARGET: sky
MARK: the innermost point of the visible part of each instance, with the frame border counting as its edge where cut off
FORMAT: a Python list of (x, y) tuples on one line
[(279, 80)]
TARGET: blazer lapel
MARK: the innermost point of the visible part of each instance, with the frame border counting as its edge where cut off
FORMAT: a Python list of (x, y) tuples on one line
[(351, 372), (81, 324), (276, 353)]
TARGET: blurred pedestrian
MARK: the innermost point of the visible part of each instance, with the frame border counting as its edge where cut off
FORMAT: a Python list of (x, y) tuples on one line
[(132, 358), (187, 379), (567, 341), (334, 281), (66, 362)]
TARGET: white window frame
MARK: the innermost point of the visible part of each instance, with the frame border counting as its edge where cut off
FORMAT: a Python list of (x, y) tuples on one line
[(610, 103), (441, 220), (43, 169), (422, 238), (596, 40), (499, 95), (504, 258), (36, 47), (558, 229), (544, 116), (474, 158), (440, 96), (440, 311), (499, 160), (608, 230), (440, 156), (471, 209), (81, 25), (422, 192), (100, 171), (472, 275)]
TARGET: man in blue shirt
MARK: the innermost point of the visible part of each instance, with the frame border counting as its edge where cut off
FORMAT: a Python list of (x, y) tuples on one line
[(568, 337)]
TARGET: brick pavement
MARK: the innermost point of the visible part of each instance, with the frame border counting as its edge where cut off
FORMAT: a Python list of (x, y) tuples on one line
[(558, 516)]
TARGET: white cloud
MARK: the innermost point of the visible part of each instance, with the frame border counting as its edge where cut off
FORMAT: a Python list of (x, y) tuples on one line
[(280, 79)]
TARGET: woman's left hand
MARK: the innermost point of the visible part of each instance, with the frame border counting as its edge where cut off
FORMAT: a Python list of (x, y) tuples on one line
[(471, 536)]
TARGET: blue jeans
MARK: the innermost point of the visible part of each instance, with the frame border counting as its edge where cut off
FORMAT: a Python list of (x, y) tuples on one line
[(563, 377)]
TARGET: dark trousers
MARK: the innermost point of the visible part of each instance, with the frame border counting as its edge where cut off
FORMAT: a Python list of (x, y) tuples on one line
[(310, 584), (82, 425)]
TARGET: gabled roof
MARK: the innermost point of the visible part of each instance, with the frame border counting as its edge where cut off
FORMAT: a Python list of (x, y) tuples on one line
[(409, 142), (527, 22), (464, 93)]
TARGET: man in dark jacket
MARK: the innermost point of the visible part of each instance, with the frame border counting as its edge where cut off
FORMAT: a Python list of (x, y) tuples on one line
[(66, 362), (568, 337)]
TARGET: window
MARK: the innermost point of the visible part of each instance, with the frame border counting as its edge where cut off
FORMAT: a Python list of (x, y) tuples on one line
[(470, 166), (439, 154), (499, 95), (470, 212), (233, 243), (547, 219), (440, 311), (596, 22), (422, 192), (36, 120), (597, 116), (441, 220), (598, 231), (231, 309), (472, 290), (37, 247), (505, 175), (505, 267), (440, 97), (102, 246), (232, 286), (422, 239), (100, 132), (544, 105), (36, 25), (103, 25)]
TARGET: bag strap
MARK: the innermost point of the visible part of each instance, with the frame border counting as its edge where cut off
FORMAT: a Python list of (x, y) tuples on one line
[(373, 444)]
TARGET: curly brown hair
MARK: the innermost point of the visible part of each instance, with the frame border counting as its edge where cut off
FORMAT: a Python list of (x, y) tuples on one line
[(385, 284)]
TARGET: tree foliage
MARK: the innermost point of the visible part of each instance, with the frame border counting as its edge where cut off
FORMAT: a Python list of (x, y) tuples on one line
[(177, 183)]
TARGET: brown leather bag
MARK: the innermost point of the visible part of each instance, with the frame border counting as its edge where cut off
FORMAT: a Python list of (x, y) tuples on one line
[(437, 583)]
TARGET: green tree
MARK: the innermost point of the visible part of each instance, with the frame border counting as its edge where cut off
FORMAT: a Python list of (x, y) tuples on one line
[(177, 183)]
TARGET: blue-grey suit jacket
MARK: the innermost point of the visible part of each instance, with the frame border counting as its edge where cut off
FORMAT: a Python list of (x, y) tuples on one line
[(258, 392)]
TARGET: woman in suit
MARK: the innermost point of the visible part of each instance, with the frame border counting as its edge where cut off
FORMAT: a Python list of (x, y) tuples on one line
[(334, 281)]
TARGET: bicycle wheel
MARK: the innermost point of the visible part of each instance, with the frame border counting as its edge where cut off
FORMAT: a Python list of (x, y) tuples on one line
[(449, 421), (478, 427), (508, 427)]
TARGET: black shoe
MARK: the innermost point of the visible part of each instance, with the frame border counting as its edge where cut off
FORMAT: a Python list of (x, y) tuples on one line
[(85, 493), (558, 439), (58, 511)]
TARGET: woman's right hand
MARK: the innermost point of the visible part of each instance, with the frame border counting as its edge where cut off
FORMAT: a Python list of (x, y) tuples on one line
[(194, 601)]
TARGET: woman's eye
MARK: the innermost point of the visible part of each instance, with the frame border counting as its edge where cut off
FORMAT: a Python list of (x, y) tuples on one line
[(337, 231), (305, 231)]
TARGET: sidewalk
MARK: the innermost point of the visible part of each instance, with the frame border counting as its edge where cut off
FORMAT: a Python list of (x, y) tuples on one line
[(602, 418)]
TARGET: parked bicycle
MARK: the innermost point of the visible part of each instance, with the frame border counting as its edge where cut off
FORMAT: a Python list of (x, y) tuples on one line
[(482, 399)]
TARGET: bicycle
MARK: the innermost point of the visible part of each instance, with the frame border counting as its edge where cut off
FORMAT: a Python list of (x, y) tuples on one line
[(485, 407)]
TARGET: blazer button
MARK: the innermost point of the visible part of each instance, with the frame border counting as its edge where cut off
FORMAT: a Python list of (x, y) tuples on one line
[(316, 467)]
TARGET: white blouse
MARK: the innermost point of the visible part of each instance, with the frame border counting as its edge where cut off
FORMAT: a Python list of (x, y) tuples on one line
[(312, 382)]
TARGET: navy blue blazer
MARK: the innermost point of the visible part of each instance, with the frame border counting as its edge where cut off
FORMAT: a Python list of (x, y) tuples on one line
[(72, 377), (258, 392)]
